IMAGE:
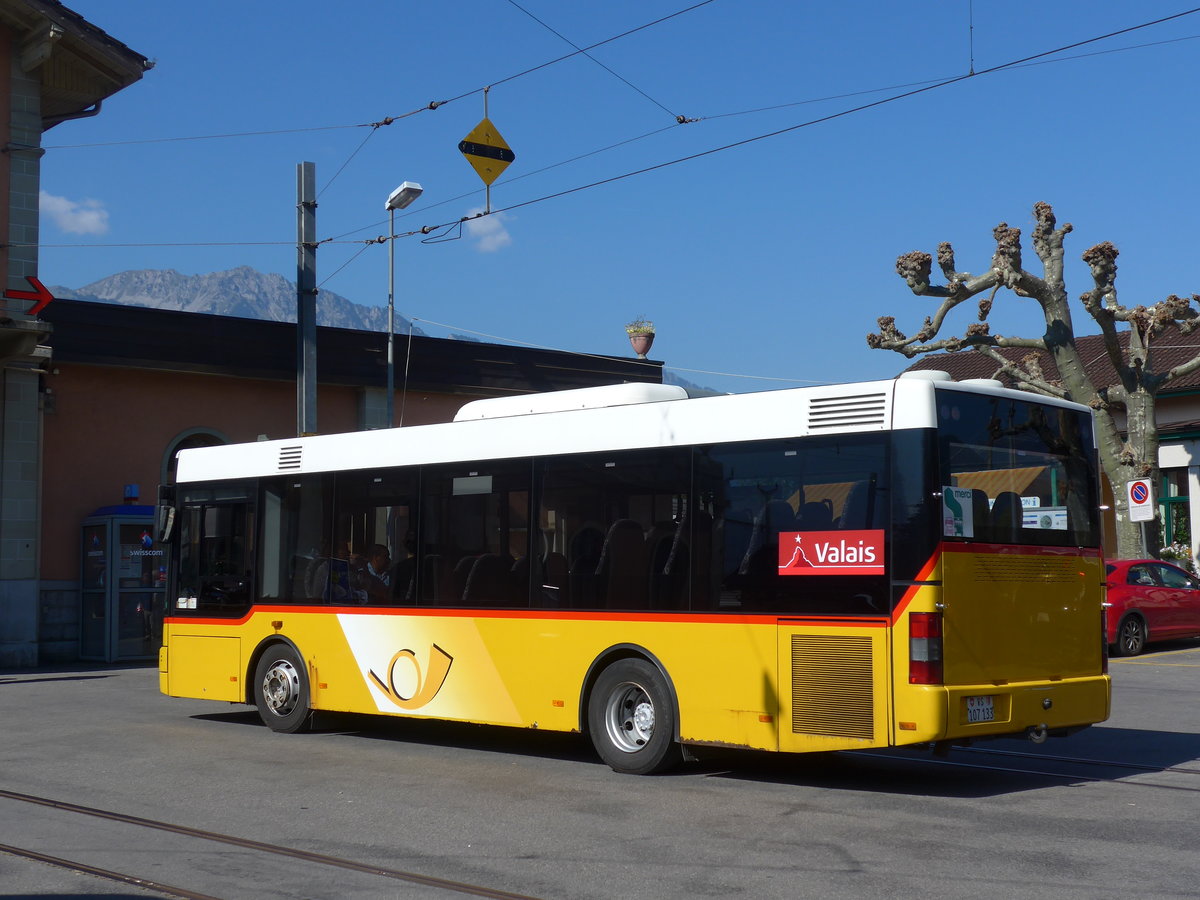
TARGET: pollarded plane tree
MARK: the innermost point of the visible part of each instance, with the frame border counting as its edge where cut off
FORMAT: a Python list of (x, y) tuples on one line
[(1128, 335)]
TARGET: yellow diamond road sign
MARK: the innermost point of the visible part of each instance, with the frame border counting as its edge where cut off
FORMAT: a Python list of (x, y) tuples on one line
[(486, 151)]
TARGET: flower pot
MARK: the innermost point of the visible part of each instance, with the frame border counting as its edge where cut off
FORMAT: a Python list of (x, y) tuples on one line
[(641, 343)]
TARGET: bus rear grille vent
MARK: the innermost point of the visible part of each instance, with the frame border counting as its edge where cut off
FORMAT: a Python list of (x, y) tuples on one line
[(290, 458), (1026, 569), (833, 688), (839, 412)]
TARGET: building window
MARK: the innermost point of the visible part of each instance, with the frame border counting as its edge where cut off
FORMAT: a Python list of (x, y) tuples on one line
[(1176, 517)]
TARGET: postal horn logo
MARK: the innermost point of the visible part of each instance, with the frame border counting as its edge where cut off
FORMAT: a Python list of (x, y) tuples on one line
[(831, 552), (417, 687)]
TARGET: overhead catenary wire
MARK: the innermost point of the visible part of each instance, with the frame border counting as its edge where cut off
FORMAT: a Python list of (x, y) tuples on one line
[(434, 104), (678, 118), (828, 118), (1034, 59)]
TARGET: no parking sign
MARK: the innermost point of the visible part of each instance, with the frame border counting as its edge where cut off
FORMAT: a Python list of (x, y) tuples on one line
[(1141, 500)]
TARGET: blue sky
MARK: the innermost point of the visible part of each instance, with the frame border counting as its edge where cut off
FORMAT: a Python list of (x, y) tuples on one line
[(763, 265)]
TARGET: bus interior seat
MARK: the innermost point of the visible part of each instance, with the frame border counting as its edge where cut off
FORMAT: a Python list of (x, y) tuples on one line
[(310, 576), (458, 578), (1006, 516), (403, 581), (487, 581), (981, 514), (519, 576), (694, 561), (776, 517), (816, 515), (666, 544), (623, 565), (856, 512), (556, 579), (586, 543)]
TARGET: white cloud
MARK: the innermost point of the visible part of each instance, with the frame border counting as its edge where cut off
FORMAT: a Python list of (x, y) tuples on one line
[(488, 232), (84, 217)]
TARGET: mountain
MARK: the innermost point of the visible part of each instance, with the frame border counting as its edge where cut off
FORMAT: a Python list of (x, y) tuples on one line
[(243, 292)]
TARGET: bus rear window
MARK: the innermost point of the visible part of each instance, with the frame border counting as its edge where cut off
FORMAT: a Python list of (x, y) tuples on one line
[(1016, 472)]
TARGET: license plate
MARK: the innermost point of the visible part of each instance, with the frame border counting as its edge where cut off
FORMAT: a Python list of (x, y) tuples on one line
[(981, 709)]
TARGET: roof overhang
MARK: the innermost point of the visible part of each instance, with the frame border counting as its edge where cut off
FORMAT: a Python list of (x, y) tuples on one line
[(80, 64)]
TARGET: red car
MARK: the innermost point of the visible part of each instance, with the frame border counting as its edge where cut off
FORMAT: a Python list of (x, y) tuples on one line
[(1149, 600)]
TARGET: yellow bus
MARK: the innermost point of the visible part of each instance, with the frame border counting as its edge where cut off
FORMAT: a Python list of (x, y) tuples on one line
[(888, 563)]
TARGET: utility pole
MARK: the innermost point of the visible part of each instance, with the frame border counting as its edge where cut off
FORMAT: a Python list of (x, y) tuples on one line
[(306, 298)]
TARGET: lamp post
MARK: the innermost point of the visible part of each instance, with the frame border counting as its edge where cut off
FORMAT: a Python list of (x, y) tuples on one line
[(397, 199)]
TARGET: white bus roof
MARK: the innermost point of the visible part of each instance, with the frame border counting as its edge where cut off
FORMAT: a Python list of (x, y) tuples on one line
[(607, 418)]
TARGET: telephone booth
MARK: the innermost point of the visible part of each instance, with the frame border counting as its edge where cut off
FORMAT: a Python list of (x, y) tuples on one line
[(123, 577)]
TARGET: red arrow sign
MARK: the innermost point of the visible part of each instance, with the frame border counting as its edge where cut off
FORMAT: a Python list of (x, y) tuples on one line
[(41, 297)]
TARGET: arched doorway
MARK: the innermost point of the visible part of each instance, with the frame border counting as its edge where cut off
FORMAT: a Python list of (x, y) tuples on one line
[(193, 437)]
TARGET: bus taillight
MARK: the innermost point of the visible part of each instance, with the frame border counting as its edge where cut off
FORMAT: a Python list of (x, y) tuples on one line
[(924, 648), (1106, 606)]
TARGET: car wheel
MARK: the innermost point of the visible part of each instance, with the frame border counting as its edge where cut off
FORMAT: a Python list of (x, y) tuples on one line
[(1131, 636), (281, 690), (631, 719)]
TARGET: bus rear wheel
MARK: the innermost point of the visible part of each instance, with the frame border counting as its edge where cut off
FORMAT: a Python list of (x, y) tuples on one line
[(281, 690), (631, 719)]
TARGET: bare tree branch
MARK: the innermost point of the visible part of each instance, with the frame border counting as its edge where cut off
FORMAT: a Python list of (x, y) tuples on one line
[(1129, 352), (1030, 375)]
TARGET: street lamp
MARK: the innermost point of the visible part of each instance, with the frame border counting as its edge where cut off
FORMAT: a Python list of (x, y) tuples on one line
[(397, 199)]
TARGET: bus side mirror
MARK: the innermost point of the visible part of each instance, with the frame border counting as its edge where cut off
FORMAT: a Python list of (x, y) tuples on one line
[(165, 524), (164, 518)]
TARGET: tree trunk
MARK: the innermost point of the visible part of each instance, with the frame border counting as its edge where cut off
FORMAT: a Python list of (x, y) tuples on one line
[(1126, 460)]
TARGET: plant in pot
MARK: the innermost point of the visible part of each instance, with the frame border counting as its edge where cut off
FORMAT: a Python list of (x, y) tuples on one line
[(641, 336)]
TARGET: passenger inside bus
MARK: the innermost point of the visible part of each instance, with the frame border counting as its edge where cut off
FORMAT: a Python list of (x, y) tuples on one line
[(377, 574)]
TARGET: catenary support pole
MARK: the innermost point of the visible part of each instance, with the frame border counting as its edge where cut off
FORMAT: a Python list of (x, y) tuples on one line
[(306, 298)]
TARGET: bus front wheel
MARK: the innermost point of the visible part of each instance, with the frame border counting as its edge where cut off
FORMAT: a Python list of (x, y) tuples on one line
[(281, 690), (631, 719)]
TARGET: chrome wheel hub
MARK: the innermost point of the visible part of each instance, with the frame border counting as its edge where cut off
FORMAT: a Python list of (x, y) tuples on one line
[(629, 718), (281, 688)]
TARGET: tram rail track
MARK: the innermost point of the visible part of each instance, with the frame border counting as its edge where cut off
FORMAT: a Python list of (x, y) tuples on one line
[(1046, 772), (384, 872)]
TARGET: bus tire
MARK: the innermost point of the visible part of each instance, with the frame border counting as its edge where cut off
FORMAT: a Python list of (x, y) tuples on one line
[(631, 719), (281, 690), (1131, 636)]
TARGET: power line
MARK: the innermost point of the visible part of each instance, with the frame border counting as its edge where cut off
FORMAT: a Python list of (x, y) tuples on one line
[(390, 119), (203, 137), (615, 37), (932, 81), (1022, 62), (623, 79), (508, 181), (837, 115)]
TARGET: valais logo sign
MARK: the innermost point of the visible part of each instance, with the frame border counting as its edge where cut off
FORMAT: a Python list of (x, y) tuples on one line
[(831, 552)]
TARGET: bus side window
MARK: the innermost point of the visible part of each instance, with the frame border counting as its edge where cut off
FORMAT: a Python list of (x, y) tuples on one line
[(474, 528)]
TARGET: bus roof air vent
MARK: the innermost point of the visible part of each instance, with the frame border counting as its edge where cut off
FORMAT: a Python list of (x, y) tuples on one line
[(842, 412), (290, 458), (577, 398)]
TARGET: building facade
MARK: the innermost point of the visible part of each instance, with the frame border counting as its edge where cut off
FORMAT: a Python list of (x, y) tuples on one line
[(54, 67), (123, 389)]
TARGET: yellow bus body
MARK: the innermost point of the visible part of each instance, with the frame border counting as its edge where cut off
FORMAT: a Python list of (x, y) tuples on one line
[(1029, 642)]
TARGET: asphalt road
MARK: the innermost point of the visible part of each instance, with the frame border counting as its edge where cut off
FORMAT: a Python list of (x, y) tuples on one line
[(100, 769)]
